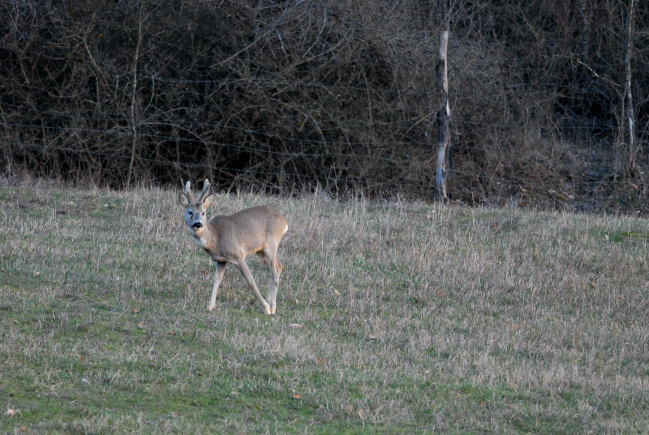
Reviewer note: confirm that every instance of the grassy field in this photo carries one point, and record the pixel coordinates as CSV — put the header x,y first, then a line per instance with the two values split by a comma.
x,y
392,318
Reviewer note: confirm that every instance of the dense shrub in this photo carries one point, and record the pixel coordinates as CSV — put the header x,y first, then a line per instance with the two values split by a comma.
x,y
340,93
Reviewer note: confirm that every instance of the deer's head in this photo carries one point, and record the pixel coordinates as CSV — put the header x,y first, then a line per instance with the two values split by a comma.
x,y
195,211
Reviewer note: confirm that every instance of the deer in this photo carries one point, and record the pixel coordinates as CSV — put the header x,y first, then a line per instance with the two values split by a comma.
x,y
231,238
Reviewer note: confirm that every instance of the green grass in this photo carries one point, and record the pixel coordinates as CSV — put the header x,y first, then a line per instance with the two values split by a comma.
x,y
392,318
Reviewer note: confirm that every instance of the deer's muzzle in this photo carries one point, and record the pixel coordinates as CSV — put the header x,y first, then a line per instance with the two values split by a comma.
x,y
197,225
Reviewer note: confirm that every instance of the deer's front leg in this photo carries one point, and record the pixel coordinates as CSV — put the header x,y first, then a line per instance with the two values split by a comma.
x,y
243,268
218,276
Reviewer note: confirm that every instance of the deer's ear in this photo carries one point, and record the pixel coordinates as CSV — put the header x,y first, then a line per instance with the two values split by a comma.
x,y
208,200
183,200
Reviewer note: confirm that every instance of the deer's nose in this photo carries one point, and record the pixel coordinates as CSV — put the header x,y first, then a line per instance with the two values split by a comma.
x,y
197,225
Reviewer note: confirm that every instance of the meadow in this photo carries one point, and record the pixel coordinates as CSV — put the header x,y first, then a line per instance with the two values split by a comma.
x,y
393,317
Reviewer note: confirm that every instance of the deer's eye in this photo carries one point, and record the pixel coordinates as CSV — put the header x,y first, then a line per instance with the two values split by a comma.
x,y
190,214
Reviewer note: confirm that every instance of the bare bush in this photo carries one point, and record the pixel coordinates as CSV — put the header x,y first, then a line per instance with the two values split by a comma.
x,y
339,94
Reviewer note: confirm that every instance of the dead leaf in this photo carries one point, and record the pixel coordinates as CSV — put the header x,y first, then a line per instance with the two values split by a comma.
x,y
12,412
336,292
297,396
294,325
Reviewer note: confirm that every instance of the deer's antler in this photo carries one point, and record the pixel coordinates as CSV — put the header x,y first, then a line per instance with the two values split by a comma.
x,y
206,189
188,192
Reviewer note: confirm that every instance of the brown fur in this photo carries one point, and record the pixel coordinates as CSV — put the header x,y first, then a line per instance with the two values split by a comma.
x,y
231,238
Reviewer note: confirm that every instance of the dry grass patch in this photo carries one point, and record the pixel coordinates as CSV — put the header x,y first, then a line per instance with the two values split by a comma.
x,y
392,317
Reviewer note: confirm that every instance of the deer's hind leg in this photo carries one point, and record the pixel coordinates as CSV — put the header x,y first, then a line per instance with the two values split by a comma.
x,y
270,255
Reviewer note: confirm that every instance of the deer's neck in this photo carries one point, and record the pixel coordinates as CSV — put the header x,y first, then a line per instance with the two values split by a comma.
x,y
204,238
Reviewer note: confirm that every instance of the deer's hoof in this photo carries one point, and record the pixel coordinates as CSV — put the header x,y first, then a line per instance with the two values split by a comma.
x,y
211,307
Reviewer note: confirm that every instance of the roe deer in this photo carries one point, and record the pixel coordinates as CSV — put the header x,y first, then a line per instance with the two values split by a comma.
x,y
231,238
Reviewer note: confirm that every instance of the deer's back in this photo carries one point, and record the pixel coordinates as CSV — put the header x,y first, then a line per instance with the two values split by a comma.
x,y
249,228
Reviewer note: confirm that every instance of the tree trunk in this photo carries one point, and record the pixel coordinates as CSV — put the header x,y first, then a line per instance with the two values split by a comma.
x,y
628,115
443,116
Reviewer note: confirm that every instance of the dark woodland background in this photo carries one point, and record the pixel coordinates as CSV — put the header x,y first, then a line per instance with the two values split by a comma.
x,y
333,95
